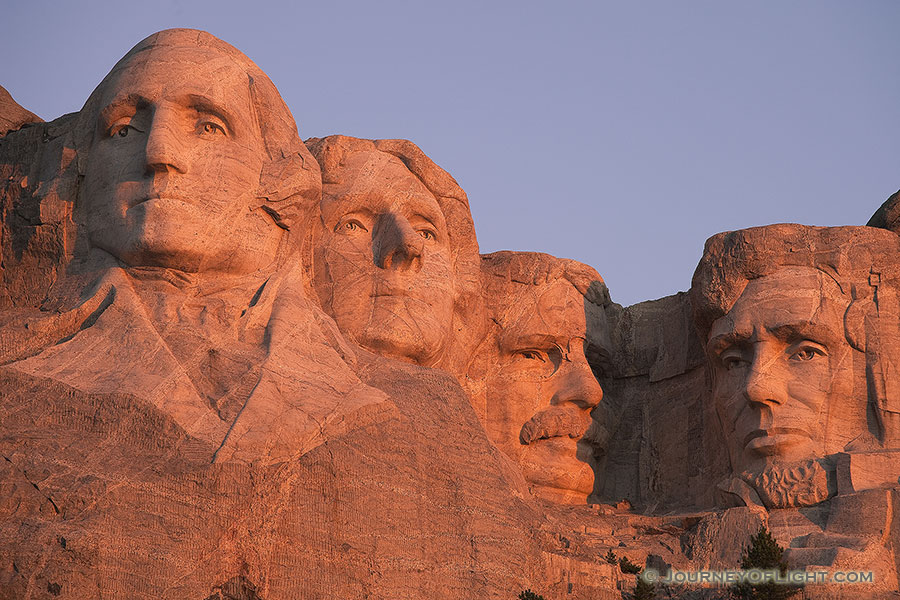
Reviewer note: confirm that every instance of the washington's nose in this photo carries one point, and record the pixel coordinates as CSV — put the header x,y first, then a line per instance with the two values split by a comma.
x,y
396,245
764,385
165,150
577,385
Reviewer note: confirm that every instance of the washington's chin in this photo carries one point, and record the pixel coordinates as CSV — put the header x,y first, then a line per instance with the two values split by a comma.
x,y
404,345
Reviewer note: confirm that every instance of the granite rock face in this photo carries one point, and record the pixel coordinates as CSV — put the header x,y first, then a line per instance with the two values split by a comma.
x,y
234,365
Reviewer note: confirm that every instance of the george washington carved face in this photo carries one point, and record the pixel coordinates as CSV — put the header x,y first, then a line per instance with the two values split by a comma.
x,y
173,170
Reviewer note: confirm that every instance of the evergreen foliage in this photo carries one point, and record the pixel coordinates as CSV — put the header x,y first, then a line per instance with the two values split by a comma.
x,y
763,553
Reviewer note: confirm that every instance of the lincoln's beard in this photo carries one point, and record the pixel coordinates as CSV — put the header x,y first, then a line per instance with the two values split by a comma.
x,y
783,485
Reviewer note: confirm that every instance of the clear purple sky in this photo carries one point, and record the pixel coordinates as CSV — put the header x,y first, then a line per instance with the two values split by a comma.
x,y
618,134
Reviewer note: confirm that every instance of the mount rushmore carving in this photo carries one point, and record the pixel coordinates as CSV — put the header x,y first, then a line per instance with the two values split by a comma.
x,y
234,364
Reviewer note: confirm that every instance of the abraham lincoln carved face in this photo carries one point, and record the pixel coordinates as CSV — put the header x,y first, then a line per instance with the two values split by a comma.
x,y
799,324
780,357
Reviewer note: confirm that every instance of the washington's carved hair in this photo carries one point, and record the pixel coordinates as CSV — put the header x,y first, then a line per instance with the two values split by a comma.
x,y
289,171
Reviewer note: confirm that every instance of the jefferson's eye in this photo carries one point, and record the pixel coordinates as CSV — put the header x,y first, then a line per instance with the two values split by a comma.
x,y
532,355
351,226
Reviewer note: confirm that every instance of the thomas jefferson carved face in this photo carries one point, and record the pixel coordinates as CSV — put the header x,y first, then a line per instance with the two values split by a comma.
x,y
174,167
780,358
541,392
384,264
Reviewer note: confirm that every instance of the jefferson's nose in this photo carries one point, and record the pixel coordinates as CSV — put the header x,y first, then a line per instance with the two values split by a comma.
x,y
764,385
396,245
165,149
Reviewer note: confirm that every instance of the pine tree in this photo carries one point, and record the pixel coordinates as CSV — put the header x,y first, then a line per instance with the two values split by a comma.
x,y
763,553
644,590
529,595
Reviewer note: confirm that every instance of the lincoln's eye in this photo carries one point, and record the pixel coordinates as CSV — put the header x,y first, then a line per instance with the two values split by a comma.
x,y
807,353
732,362
123,132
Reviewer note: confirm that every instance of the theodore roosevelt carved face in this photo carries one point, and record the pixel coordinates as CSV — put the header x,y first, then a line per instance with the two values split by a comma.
x,y
540,389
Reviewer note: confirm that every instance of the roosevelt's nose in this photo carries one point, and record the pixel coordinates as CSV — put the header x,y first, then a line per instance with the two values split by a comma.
x,y
165,151
764,385
577,385
396,245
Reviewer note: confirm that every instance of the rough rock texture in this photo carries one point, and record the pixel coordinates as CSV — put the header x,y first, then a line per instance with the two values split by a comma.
x,y
12,115
234,367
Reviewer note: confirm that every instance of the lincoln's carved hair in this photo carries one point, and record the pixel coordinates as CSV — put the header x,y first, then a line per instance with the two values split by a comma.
x,y
864,262
290,181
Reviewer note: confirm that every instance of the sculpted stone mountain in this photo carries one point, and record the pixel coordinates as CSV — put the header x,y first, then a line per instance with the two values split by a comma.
x,y
800,324
531,383
235,367
396,257
888,214
12,115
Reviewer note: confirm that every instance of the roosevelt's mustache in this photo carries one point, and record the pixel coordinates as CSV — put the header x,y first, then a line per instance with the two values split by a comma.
x,y
557,421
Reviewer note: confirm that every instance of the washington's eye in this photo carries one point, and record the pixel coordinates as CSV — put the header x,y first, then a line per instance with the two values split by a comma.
x,y
427,234
211,128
